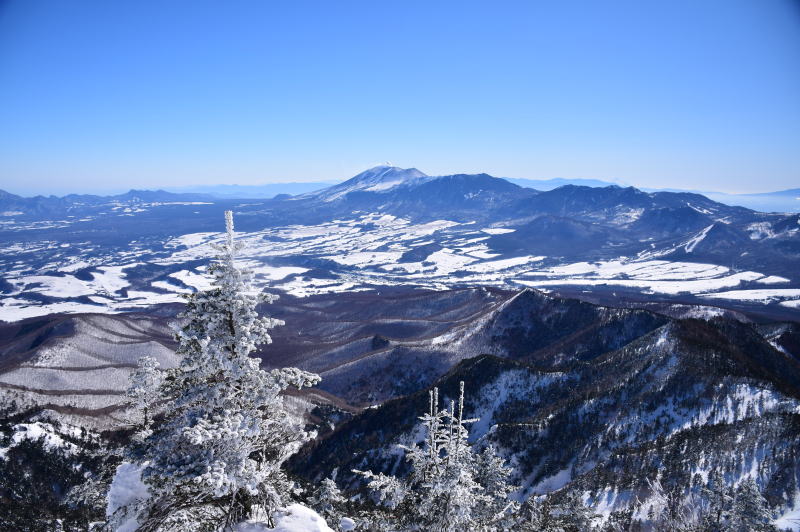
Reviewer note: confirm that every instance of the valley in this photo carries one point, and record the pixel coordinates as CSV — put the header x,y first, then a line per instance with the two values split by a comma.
x,y
606,337
390,227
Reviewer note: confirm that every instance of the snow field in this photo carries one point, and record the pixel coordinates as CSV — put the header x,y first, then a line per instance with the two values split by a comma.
x,y
369,249
293,518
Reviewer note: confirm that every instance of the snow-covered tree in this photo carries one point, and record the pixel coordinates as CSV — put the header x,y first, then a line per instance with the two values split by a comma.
x,y
450,486
493,475
567,514
536,515
719,502
572,514
619,521
226,433
390,491
443,473
675,509
750,510
327,500
144,389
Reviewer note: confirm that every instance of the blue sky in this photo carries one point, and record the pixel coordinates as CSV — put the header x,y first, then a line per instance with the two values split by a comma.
x,y
682,94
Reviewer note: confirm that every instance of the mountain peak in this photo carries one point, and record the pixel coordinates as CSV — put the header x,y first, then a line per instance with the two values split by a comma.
x,y
383,172
376,179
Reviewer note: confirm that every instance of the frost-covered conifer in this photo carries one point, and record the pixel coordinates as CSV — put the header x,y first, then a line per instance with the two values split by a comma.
x,y
719,502
492,473
573,515
750,510
391,491
559,513
144,389
327,500
219,452
443,491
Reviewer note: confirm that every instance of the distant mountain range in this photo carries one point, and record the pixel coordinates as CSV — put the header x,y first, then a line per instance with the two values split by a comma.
x,y
265,191
550,184
12,205
391,226
778,201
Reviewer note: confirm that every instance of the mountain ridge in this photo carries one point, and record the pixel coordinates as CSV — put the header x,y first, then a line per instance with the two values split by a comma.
x,y
669,404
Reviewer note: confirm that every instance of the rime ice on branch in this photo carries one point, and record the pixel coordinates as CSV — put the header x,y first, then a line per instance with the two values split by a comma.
x,y
217,455
450,487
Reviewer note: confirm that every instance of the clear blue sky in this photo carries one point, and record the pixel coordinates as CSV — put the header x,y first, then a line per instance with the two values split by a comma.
x,y
684,94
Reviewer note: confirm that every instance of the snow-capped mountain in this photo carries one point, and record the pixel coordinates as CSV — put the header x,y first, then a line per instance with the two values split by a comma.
x,y
389,227
676,400
378,179
368,347
594,399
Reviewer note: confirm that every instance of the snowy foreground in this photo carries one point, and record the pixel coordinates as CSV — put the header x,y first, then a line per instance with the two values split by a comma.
x,y
294,518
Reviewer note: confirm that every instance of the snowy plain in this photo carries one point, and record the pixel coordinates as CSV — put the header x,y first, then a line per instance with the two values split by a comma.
x,y
368,251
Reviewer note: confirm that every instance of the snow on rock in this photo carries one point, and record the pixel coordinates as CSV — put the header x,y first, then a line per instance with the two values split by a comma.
x,y
294,518
346,524
38,431
126,489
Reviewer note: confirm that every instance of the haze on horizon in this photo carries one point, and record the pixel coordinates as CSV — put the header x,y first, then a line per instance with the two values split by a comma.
x,y
99,96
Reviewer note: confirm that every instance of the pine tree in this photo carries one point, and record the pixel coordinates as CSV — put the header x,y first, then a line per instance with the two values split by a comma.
x,y
536,515
572,515
144,389
719,502
750,510
328,501
450,487
672,510
391,491
492,473
226,433
619,521
555,513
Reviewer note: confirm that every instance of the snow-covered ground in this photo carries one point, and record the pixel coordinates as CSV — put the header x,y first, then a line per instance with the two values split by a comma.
x,y
39,431
293,518
88,371
127,488
364,252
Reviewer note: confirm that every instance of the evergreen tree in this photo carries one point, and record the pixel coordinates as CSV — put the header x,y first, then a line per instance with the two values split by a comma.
x,y
328,501
144,389
450,487
443,473
750,510
493,475
226,433
536,515
619,521
672,510
572,515
719,501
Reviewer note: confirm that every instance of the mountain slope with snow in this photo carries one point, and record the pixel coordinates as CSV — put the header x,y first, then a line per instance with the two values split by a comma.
x,y
389,227
377,179
676,403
